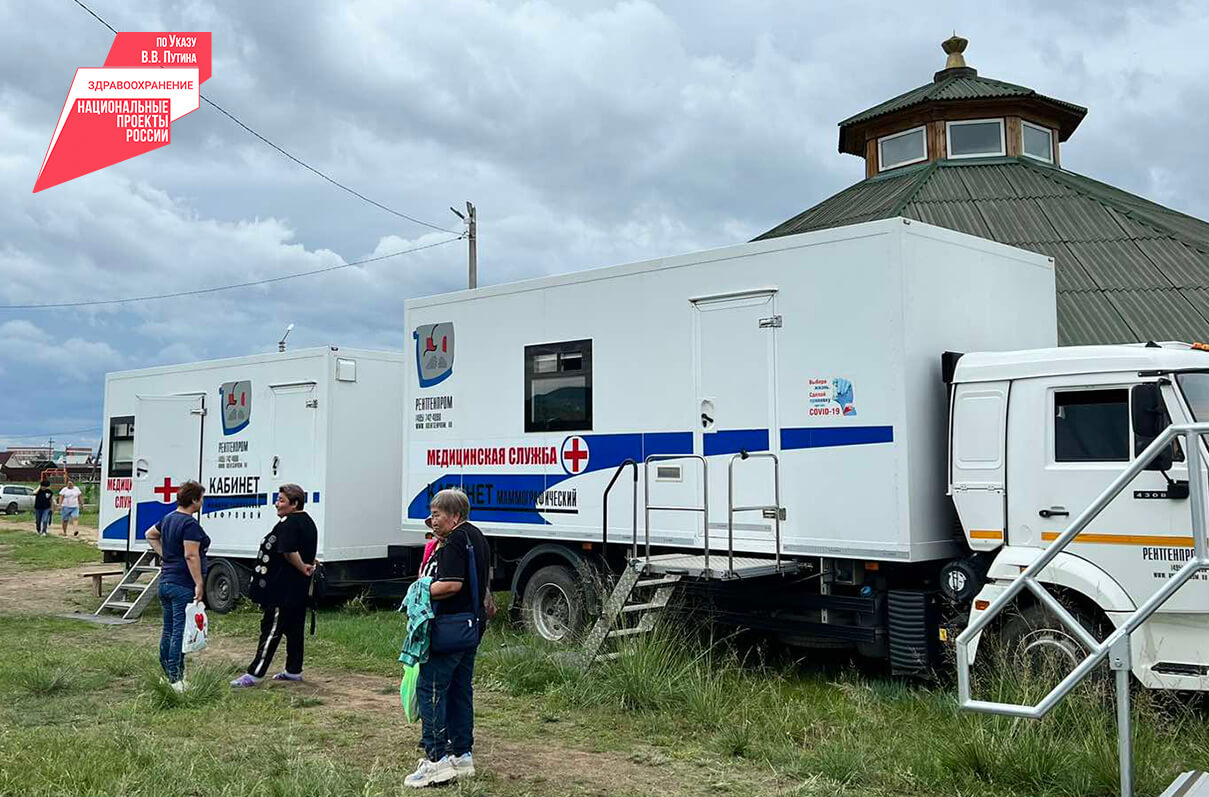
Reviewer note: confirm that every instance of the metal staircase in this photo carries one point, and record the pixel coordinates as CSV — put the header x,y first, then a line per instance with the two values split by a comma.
x,y
647,584
136,589
632,609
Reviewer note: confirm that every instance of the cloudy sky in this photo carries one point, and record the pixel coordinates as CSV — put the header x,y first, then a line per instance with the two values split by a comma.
x,y
587,134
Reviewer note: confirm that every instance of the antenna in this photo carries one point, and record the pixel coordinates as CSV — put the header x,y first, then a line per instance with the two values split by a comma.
x,y
281,343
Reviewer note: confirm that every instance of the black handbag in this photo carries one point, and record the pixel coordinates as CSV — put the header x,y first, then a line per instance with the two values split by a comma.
x,y
459,632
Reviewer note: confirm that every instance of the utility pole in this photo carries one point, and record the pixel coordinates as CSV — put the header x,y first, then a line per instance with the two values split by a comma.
x,y
472,236
50,449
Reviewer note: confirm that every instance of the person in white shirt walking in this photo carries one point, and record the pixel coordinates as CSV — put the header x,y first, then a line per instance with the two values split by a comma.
x,y
69,508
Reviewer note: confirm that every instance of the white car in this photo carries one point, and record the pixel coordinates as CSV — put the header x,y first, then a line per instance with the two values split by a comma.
x,y
16,498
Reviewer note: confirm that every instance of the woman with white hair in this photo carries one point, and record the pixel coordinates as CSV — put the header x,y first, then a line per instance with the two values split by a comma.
x,y
459,570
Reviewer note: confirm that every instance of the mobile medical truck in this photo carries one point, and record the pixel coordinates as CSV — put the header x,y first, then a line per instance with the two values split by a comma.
x,y
327,419
791,443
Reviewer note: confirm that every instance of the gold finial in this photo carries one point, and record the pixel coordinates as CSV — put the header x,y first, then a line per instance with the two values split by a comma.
x,y
954,46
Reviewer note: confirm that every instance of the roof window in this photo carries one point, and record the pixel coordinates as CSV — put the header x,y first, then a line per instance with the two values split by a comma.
x,y
975,138
900,149
1037,142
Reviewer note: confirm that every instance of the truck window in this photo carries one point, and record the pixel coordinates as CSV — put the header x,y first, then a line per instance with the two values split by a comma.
x,y
121,446
558,387
1196,392
1091,426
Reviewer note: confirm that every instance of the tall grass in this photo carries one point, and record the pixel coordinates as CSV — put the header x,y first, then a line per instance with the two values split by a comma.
x,y
849,729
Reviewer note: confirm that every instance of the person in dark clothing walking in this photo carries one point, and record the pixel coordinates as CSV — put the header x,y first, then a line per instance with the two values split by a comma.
x,y
181,544
280,584
444,688
43,500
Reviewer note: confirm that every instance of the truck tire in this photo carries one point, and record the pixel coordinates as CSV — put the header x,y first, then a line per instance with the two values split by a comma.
x,y
222,586
1034,639
554,606
11,509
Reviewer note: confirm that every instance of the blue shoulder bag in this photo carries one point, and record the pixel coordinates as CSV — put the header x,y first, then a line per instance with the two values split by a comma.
x,y
456,633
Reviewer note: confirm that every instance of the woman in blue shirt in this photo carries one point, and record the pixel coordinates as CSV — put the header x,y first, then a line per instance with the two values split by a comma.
x,y
181,544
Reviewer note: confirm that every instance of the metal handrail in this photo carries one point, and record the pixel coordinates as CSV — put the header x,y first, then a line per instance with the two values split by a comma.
x,y
1116,645
731,509
604,533
646,496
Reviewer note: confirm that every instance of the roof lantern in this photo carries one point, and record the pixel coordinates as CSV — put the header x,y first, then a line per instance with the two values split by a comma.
x,y
959,114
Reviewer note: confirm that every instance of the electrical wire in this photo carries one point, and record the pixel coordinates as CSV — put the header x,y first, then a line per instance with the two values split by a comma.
x,y
296,160
216,289
48,434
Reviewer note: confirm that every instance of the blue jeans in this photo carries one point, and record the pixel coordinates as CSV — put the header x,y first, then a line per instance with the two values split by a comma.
x,y
42,520
174,598
446,697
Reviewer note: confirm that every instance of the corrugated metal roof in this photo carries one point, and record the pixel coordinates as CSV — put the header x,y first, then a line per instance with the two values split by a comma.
x,y
1160,315
1116,265
960,216
1087,317
1127,268
1018,221
1184,266
956,87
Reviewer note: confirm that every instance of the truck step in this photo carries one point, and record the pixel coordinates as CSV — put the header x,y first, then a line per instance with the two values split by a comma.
x,y
658,582
123,605
145,569
638,629
641,607
133,587
607,656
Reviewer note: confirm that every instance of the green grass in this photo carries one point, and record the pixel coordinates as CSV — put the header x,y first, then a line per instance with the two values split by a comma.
x,y
83,711
28,550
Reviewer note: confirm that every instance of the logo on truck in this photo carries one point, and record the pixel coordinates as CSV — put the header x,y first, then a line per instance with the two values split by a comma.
x,y
236,400
574,455
434,352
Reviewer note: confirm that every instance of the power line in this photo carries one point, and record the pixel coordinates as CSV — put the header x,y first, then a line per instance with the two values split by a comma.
x,y
296,160
199,291
48,434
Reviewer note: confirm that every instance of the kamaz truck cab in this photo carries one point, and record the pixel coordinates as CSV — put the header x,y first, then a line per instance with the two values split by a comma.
x,y
1035,437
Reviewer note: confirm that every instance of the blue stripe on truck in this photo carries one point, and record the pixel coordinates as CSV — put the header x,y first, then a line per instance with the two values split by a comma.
x,y
829,436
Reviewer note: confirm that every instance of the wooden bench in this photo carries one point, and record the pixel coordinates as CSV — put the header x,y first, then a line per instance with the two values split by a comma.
x,y
97,576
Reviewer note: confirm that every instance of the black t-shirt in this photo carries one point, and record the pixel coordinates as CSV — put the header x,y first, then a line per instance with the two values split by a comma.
x,y
451,562
275,581
43,497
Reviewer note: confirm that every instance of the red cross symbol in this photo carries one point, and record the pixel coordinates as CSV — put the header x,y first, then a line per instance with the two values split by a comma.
x,y
573,454
167,490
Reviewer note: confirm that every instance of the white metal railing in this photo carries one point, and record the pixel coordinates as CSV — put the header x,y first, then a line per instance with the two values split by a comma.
x,y
1116,646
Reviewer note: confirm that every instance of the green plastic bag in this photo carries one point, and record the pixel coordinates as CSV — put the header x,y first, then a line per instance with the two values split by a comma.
x,y
407,692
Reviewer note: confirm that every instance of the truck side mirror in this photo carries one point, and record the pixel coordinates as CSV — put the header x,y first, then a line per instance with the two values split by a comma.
x,y
1150,418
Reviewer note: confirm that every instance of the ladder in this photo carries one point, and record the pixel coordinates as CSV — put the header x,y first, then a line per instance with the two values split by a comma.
x,y
632,609
132,594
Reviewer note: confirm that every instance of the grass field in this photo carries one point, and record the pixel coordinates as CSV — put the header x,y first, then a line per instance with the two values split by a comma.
x,y
82,712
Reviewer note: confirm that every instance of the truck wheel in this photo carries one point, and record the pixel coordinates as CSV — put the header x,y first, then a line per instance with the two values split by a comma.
x,y
1034,639
553,605
11,509
222,586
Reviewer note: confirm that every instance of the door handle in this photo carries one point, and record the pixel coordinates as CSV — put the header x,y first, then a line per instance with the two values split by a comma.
x,y
706,421
1054,511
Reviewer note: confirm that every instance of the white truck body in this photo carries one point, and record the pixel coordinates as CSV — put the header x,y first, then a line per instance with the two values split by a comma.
x,y
821,348
1037,437
327,419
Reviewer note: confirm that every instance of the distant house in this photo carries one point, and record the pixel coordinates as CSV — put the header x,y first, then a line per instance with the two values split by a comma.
x,y
982,156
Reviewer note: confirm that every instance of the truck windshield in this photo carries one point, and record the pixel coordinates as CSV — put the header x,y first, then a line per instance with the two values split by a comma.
x,y
1196,392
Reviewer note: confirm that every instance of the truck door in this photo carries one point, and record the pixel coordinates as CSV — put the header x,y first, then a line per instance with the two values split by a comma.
x,y
167,452
978,465
735,339
295,415
1063,462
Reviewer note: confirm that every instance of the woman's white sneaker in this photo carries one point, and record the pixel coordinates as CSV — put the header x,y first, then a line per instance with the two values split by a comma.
x,y
430,772
463,765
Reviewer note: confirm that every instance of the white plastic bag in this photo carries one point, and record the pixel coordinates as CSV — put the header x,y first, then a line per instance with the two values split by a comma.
x,y
196,626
